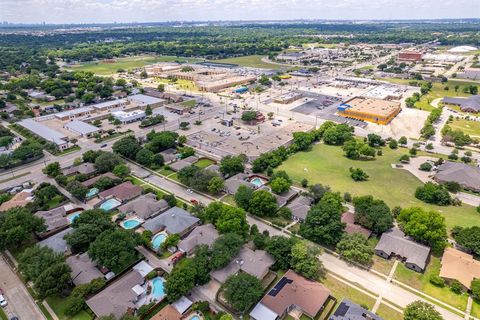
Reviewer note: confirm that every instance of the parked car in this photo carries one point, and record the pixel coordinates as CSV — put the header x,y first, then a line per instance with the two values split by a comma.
x,y
3,302
103,145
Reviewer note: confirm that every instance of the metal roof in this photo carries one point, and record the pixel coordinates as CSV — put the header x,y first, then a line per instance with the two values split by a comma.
x,y
44,131
81,127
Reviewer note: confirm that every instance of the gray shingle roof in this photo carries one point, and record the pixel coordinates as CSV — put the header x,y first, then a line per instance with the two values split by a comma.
x,y
471,104
83,269
174,220
395,241
56,242
347,310
467,176
144,206
55,218
205,234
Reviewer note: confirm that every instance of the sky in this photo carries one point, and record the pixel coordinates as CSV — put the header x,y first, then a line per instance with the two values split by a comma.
x,y
108,11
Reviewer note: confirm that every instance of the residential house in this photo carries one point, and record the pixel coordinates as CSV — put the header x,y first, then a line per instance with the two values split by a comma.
x,y
351,227
205,234
119,297
145,207
90,182
55,219
256,263
169,155
20,199
179,165
283,198
56,242
465,175
300,207
175,221
292,292
233,183
167,313
459,266
122,192
394,243
83,269
86,168
347,310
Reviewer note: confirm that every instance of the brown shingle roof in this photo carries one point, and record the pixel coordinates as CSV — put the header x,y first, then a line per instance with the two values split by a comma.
x,y
460,266
122,192
21,199
349,219
167,313
92,181
306,294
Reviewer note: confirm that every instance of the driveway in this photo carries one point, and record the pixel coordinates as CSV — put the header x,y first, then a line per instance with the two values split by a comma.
x,y
20,303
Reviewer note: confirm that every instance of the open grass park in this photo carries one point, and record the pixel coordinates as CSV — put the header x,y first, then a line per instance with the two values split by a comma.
x,y
128,63
469,127
253,61
327,165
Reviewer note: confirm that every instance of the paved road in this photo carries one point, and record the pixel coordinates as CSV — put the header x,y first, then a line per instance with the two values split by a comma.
x,y
20,303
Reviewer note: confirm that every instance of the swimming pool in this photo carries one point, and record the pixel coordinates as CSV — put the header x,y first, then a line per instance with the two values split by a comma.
x,y
195,318
131,223
257,182
158,288
110,204
92,192
158,239
72,216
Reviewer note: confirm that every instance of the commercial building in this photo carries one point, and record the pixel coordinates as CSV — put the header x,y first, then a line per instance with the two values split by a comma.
x,y
470,104
410,55
470,73
142,101
385,92
459,266
394,243
81,128
74,113
128,117
41,130
158,68
109,105
292,291
368,109
288,97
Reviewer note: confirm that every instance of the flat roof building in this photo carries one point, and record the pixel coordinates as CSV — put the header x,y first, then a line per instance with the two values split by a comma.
x,y
74,113
410,55
368,109
384,92
143,101
128,117
112,104
41,130
81,128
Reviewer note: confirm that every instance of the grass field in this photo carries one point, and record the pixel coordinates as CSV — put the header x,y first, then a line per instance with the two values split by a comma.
x,y
421,282
437,91
128,63
58,305
203,163
340,290
386,312
469,127
254,61
327,165
181,84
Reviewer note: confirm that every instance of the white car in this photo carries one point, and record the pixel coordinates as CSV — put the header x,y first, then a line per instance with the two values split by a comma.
x,y
3,302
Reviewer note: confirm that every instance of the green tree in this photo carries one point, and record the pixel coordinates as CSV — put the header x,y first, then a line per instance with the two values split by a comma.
x,y
52,169
263,204
280,248
358,174
17,225
180,281
216,185
243,196
433,193
468,238
249,116
323,224
393,144
279,185
224,249
33,260
402,140
122,171
419,310
426,166
242,290
231,165
475,288
144,157
372,214
355,248
127,147
53,280
115,249
77,189
107,161
425,226
148,110
305,261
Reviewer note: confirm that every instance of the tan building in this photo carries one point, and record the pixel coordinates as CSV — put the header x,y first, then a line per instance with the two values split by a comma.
x,y
460,266
368,109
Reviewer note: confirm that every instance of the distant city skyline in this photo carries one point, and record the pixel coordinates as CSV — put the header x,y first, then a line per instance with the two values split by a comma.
x,y
123,11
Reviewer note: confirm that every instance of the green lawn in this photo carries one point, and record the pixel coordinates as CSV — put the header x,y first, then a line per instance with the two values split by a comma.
x,y
437,91
340,290
165,172
55,201
386,312
58,305
190,103
203,163
469,127
128,63
254,61
327,165
421,282
475,308
3,316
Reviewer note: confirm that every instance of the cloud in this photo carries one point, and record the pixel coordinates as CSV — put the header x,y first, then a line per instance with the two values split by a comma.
x,y
101,11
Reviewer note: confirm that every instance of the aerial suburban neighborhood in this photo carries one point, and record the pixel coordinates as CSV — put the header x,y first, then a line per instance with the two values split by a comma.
x,y
239,167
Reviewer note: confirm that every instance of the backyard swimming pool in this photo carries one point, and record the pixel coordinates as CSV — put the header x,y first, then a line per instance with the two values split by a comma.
x,y
110,204
158,288
195,318
72,216
158,239
92,192
258,182
131,223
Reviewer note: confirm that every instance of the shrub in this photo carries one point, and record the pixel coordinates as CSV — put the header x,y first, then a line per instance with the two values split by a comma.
x,y
452,186
426,166
358,174
304,183
347,197
437,281
456,287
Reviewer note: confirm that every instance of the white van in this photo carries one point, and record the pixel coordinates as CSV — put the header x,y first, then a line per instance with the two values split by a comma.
x,y
3,302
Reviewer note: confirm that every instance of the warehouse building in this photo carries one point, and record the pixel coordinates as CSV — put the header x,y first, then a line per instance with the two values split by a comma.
x,y
142,101
368,109
81,128
74,113
288,98
127,117
41,130
410,55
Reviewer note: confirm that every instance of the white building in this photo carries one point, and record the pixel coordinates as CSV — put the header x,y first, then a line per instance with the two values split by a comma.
x,y
127,117
81,128
41,130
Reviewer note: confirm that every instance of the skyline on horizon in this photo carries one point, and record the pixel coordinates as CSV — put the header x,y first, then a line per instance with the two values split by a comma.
x,y
150,11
